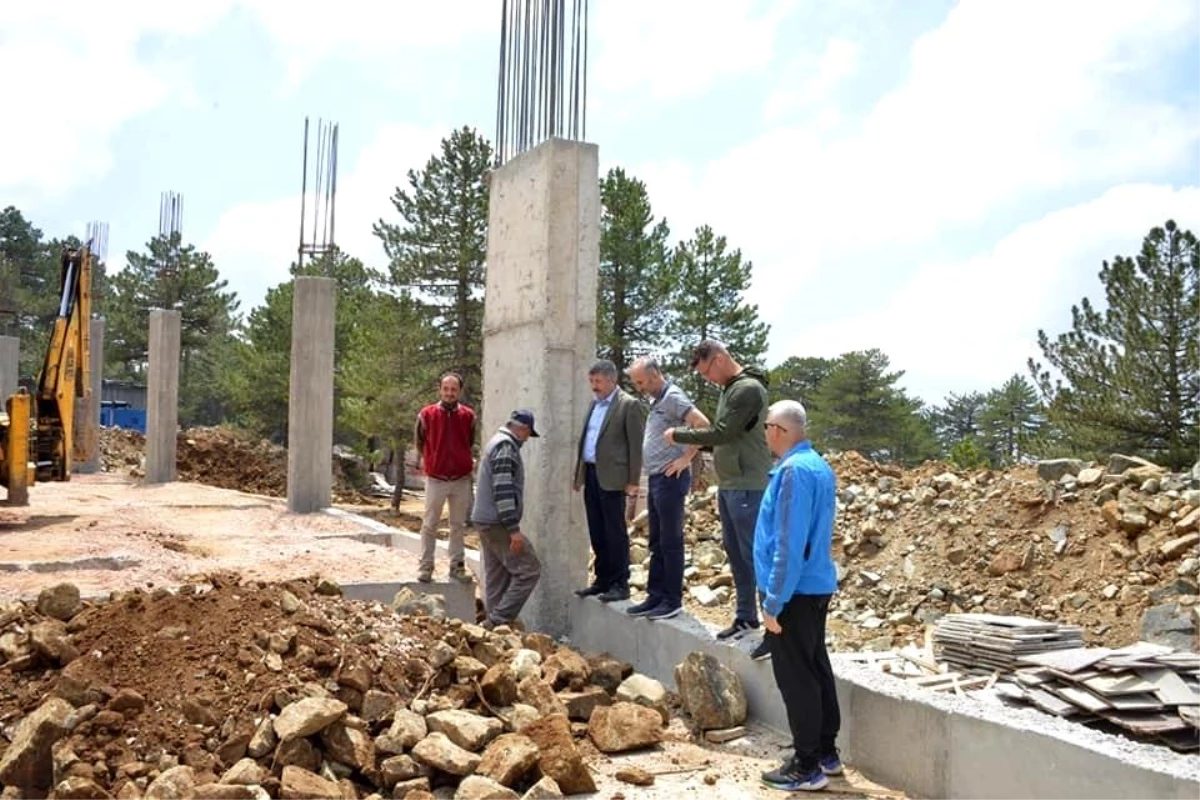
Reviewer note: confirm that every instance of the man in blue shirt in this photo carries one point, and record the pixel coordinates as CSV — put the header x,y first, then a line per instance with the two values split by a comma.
x,y
793,565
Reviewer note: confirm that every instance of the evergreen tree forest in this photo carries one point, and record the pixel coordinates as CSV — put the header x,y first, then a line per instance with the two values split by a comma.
x,y
1123,377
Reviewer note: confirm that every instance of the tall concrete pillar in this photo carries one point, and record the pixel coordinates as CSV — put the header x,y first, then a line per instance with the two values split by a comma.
x,y
539,339
310,397
10,366
162,396
87,414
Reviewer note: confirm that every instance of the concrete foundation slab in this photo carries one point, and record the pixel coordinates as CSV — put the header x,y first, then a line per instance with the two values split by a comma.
x,y
928,744
162,396
87,413
539,338
10,365
310,397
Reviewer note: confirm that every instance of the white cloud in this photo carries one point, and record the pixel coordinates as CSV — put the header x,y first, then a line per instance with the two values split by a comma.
x,y
999,116
957,325
253,244
72,78
369,30
672,50
812,79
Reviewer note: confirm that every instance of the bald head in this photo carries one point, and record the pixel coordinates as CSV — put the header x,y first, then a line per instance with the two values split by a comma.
x,y
787,425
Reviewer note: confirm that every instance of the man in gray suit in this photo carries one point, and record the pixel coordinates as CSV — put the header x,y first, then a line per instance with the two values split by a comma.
x,y
608,468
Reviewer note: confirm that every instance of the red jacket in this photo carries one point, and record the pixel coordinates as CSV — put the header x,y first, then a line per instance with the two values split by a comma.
x,y
448,436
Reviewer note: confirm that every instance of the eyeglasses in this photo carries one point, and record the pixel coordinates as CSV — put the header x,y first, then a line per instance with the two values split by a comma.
x,y
768,425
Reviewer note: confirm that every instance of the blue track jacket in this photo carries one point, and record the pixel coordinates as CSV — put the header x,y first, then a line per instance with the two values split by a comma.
x,y
794,537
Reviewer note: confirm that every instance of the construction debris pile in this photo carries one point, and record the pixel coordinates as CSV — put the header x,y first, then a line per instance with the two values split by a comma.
x,y
217,456
1147,690
974,641
1111,548
232,690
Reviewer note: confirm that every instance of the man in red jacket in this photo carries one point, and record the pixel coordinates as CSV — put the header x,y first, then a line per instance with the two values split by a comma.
x,y
445,435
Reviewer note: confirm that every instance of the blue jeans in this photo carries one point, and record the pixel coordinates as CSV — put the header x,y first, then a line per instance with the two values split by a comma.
x,y
664,504
739,516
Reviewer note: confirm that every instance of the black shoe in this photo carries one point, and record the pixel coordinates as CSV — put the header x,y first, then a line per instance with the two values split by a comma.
x,y
761,651
738,627
614,594
665,611
643,608
791,776
590,591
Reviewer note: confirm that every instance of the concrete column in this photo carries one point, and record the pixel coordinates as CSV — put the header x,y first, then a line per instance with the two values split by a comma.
x,y
539,339
10,366
87,414
162,396
310,397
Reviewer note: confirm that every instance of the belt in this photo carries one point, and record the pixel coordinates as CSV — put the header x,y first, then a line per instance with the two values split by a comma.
x,y
447,480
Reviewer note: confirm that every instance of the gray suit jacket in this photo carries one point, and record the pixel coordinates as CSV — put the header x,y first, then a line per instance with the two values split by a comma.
x,y
619,448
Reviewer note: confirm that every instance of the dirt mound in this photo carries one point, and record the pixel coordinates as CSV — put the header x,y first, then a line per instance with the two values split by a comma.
x,y
1094,546
340,696
217,456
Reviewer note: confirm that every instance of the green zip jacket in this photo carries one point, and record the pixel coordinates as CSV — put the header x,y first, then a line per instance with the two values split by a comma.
x,y
740,452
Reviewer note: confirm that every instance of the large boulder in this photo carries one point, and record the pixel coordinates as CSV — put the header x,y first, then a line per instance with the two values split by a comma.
x,y
710,692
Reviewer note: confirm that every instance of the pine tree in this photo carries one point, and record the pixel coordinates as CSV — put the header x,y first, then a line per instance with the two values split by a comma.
x,y
1011,421
708,301
957,420
438,252
261,384
862,409
635,272
798,378
1131,374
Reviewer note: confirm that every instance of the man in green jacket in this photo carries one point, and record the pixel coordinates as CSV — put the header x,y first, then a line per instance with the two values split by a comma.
x,y
742,461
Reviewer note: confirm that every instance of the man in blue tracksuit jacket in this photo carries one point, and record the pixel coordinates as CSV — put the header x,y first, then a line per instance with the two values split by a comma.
x,y
793,564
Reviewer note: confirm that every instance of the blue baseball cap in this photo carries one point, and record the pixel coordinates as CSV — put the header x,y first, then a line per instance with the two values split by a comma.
x,y
525,417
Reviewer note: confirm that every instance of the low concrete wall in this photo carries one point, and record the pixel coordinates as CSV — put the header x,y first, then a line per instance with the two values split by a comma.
x,y
925,743
387,536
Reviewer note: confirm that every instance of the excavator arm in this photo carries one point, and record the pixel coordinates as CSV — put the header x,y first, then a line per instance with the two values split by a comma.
x,y
37,433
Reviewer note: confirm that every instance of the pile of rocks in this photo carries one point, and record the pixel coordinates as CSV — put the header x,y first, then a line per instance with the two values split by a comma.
x,y
231,690
1064,540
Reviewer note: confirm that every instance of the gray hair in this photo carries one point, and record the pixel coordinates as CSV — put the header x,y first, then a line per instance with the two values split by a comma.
x,y
790,414
604,367
648,363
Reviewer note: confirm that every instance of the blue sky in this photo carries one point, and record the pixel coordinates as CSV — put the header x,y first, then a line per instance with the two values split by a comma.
x,y
933,178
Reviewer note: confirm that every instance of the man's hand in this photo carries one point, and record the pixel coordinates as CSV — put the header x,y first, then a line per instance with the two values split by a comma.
x,y
669,435
516,543
677,466
771,624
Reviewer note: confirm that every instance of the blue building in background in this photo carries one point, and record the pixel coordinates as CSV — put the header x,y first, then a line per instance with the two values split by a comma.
x,y
123,405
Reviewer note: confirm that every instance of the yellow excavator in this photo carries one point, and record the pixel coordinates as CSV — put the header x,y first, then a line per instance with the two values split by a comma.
x,y
37,432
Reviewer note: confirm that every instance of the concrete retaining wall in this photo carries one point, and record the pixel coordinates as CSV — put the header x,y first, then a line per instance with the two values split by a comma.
x,y
925,743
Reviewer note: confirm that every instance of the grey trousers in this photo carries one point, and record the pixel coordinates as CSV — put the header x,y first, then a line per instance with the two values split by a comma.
x,y
508,578
437,495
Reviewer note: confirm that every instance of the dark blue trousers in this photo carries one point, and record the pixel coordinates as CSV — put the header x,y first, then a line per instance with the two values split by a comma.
x,y
665,504
606,529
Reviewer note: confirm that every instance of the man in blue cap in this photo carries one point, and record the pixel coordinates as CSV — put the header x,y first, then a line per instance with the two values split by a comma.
x,y
511,568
